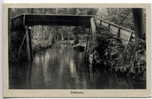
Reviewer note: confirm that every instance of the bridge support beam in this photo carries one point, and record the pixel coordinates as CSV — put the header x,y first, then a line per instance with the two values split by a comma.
x,y
93,28
29,44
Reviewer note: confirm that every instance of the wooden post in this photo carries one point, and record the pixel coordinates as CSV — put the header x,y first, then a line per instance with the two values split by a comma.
x,y
109,27
118,35
100,22
93,27
28,42
93,30
56,10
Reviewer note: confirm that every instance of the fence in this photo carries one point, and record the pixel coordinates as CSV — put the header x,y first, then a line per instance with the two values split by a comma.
x,y
121,32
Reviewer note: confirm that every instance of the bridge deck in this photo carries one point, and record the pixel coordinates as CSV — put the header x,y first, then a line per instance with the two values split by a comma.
x,y
52,19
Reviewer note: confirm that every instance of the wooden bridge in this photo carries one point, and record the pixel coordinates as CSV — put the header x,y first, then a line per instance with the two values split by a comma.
x,y
26,21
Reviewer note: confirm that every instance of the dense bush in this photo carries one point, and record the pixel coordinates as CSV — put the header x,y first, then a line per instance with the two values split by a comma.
x,y
111,55
106,52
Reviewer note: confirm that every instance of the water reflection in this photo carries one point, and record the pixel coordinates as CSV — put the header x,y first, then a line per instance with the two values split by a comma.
x,y
61,67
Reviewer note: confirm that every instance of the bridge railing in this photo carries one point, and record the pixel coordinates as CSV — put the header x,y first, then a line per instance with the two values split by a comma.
x,y
121,32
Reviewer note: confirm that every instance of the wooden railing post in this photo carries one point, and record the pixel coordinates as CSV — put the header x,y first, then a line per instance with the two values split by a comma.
x,y
109,27
100,22
118,35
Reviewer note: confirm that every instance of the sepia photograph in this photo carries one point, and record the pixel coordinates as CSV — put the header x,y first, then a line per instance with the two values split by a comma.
x,y
94,48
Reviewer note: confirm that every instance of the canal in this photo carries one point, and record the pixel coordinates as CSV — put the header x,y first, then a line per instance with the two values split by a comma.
x,y
62,67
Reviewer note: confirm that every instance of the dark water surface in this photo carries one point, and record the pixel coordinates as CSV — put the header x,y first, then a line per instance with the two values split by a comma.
x,y
61,67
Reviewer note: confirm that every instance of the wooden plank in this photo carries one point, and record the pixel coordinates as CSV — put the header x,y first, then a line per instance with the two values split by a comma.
x,y
119,26
107,22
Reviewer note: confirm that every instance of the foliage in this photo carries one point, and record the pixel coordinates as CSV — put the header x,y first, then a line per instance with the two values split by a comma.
x,y
110,54
106,52
120,16
136,60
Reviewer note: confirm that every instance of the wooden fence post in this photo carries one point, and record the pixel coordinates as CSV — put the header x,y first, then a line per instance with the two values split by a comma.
x,y
100,22
109,27
118,35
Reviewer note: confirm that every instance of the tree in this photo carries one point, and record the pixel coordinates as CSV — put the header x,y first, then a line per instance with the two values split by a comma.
x,y
120,16
138,16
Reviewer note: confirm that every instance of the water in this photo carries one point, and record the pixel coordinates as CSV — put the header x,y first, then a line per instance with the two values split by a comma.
x,y
61,67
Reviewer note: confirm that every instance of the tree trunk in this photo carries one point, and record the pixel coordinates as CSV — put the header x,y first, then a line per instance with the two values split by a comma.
x,y
139,22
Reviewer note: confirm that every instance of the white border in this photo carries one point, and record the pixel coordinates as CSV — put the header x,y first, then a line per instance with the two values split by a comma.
x,y
58,1
77,1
